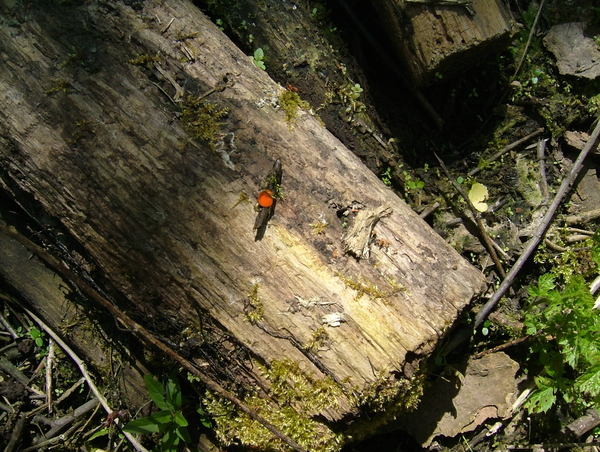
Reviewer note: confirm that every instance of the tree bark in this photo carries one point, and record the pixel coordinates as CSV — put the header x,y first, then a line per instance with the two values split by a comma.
x,y
100,104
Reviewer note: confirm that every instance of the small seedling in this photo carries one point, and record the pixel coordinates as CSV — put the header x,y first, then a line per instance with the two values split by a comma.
x,y
258,57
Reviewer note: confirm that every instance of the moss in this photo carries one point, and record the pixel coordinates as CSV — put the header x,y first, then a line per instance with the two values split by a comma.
x,y
367,288
318,227
243,198
289,102
60,85
385,399
146,60
298,394
202,119
318,339
254,310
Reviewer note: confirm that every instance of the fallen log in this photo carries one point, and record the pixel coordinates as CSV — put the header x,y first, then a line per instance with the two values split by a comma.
x,y
436,39
144,132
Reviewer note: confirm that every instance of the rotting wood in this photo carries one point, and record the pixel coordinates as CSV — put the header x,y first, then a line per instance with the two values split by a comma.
x,y
109,157
443,39
356,241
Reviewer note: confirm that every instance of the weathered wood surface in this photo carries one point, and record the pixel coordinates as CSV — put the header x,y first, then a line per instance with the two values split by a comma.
x,y
160,215
301,50
438,38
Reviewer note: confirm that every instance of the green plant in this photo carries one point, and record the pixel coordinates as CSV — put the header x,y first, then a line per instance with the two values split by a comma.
x,y
258,57
571,358
386,177
169,421
34,333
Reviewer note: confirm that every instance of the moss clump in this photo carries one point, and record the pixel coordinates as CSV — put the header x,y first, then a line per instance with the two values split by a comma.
x,y
254,309
202,119
318,227
385,399
146,60
318,339
298,394
367,288
289,102
60,85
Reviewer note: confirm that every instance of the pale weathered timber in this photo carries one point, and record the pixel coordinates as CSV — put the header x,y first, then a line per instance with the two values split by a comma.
x,y
99,144
443,38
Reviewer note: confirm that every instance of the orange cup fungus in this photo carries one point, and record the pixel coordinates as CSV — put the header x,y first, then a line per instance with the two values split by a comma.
x,y
265,198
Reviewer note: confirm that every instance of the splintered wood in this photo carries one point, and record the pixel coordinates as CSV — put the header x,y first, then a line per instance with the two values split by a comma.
x,y
356,240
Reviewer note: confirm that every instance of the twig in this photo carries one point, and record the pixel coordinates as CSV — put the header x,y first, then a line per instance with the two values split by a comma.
x,y
484,235
541,150
501,347
144,335
16,434
507,148
429,210
583,217
537,16
49,386
58,425
9,328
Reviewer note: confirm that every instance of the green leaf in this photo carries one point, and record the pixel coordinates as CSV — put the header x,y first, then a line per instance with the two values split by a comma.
x,y
162,417
156,391
590,382
259,54
170,440
180,420
98,434
173,392
184,435
143,425
541,400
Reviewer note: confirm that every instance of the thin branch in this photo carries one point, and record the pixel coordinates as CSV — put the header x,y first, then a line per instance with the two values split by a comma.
x,y
541,151
507,148
144,335
537,16
49,386
484,235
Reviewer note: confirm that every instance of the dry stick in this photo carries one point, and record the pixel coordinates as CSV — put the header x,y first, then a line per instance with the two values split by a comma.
x,y
143,335
49,385
537,16
535,240
507,148
541,150
78,361
484,235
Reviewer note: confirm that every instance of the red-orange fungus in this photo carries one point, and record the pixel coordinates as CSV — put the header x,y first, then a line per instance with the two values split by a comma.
x,y
265,198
